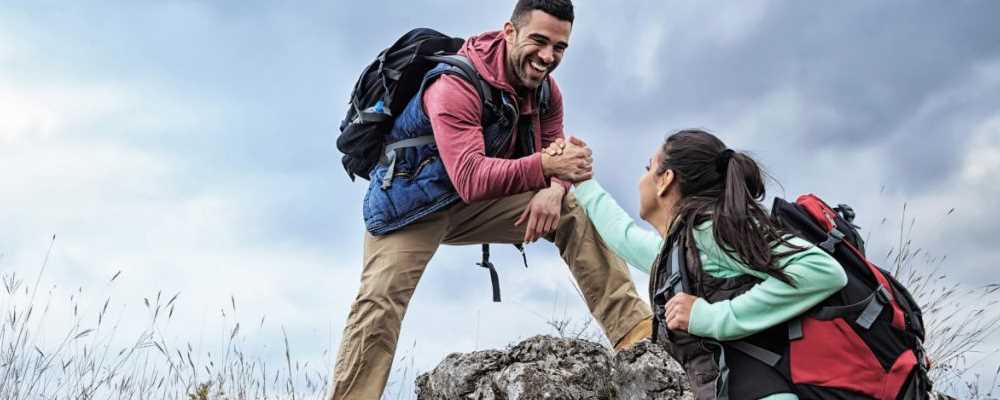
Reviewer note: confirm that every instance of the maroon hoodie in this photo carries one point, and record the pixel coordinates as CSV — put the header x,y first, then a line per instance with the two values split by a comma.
x,y
455,112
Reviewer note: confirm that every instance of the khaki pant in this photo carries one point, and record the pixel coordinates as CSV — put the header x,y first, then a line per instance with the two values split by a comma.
x,y
393,264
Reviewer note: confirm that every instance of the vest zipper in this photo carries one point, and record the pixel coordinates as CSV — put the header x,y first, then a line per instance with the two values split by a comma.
x,y
416,172
424,163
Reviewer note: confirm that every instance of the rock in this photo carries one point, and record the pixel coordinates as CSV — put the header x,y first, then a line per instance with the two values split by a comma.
x,y
545,367
646,371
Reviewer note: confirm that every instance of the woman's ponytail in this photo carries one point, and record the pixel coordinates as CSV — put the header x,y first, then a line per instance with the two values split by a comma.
x,y
726,187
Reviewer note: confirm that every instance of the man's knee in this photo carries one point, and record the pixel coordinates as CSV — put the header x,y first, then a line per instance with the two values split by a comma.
x,y
573,216
569,202
382,301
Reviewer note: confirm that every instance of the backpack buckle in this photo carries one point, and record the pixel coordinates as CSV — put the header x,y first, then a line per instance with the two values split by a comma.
x,y
846,212
883,295
874,308
834,237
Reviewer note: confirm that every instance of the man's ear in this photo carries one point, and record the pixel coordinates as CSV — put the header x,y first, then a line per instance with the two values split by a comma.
x,y
663,182
508,32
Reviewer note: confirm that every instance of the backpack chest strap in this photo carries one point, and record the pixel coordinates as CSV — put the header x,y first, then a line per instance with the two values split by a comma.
x,y
390,155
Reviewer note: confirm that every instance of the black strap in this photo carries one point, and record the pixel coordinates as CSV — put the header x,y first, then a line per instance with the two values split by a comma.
x,y
674,284
759,353
678,263
520,247
870,308
544,95
677,282
494,278
392,74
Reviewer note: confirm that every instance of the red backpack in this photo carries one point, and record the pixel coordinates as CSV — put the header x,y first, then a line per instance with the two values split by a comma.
x,y
868,337
864,341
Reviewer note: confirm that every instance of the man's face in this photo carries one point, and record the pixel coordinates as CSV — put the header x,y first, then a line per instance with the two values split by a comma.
x,y
536,47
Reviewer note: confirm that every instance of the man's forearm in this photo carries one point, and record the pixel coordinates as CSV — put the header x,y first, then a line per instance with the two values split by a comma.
x,y
477,177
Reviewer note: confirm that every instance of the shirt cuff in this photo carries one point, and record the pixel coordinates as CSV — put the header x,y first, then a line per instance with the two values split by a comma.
x,y
586,189
531,168
699,321
566,185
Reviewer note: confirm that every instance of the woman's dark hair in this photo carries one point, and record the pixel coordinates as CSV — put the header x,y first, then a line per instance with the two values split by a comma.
x,y
561,9
725,187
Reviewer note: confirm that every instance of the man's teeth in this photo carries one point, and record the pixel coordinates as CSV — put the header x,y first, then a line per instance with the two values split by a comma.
x,y
538,67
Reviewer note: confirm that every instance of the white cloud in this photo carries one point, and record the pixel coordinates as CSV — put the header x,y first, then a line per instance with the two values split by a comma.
x,y
730,24
644,39
103,144
983,155
37,112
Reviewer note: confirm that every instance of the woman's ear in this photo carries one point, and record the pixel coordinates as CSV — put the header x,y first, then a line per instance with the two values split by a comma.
x,y
663,182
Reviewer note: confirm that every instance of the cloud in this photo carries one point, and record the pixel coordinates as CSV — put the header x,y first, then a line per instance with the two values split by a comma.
x,y
191,144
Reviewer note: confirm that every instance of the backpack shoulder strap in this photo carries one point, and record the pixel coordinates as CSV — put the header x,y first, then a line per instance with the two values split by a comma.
x,y
464,69
545,97
677,271
468,72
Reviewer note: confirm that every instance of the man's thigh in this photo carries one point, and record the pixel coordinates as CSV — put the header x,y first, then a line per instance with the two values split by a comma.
x,y
395,261
490,221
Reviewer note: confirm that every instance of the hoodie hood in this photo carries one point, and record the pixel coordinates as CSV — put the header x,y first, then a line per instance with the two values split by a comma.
x,y
488,53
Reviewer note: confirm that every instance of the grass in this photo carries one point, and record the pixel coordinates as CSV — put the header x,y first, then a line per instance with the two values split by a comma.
x,y
87,361
958,319
83,362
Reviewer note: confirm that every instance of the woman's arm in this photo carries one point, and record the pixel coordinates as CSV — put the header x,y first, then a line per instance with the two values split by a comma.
x,y
639,247
816,274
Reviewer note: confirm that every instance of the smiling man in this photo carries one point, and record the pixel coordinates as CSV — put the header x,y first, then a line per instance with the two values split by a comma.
x,y
483,179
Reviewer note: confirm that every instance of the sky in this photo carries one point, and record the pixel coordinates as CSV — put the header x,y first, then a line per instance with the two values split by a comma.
x,y
191,146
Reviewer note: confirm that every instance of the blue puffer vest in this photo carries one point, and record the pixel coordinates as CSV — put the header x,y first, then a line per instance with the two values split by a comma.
x,y
420,185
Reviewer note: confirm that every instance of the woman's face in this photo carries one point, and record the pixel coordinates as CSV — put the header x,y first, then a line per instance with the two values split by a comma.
x,y
649,199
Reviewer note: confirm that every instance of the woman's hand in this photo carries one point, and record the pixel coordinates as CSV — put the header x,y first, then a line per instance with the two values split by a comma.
x,y
679,311
555,148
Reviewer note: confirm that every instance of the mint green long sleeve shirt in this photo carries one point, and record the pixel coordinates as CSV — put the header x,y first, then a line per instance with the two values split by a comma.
x,y
816,274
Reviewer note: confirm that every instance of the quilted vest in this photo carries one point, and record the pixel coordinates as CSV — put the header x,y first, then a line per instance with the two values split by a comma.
x,y
419,184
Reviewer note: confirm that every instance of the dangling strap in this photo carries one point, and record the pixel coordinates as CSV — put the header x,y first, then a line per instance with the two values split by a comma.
x,y
520,247
494,278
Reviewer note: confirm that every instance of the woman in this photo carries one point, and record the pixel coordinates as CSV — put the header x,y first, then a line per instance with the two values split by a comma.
x,y
697,189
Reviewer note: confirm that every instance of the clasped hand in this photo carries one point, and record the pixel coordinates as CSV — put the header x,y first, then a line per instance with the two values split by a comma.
x,y
568,160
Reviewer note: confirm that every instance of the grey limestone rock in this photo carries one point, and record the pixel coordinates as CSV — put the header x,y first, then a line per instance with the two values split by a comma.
x,y
545,367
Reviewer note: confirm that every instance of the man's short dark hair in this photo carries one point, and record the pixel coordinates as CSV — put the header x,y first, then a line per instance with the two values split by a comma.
x,y
561,9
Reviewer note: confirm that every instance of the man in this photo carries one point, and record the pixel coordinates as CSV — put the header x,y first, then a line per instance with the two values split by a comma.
x,y
483,180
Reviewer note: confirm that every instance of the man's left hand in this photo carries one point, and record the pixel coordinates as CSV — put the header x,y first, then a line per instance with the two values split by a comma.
x,y
542,213
679,311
